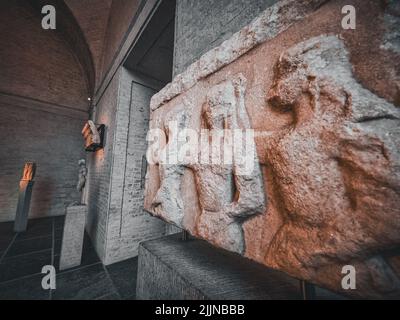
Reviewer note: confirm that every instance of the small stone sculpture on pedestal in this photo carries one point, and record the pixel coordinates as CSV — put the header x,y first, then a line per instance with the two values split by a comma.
x,y
24,197
82,179
74,227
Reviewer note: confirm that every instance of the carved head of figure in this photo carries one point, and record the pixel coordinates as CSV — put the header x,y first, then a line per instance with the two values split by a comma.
x,y
219,105
336,164
224,104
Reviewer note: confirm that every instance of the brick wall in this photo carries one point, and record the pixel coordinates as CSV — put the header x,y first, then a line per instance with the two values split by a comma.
x,y
37,63
117,221
128,222
43,103
122,13
100,168
92,17
201,25
51,140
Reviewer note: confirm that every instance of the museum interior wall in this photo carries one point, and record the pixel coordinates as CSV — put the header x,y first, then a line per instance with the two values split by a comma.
x,y
46,80
129,224
321,100
121,19
104,25
43,106
203,25
100,169
92,16
117,221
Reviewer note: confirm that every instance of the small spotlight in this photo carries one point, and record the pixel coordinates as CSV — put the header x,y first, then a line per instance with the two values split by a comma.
x,y
89,99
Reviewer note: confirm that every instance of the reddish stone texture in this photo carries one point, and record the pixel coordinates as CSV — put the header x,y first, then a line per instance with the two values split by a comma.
x,y
323,102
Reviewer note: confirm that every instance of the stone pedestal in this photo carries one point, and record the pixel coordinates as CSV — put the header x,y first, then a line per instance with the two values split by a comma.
x,y
72,242
170,268
24,199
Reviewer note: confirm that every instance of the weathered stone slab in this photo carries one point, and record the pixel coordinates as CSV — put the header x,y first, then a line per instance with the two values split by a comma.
x,y
72,242
173,269
324,191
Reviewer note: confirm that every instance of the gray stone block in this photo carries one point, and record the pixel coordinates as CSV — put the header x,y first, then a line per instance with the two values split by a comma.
x,y
170,268
24,200
72,242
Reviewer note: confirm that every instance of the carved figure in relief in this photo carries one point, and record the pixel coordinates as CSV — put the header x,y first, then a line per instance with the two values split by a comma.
x,y
168,202
227,197
337,168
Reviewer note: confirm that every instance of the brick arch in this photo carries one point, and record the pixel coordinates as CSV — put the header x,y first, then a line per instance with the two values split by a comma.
x,y
40,64
70,31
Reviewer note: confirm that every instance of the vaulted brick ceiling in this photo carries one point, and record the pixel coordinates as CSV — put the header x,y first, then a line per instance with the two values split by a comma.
x,y
82,25
38,64
103,25
92,17
91,31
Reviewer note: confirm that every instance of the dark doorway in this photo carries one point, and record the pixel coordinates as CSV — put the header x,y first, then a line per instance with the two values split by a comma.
x,y
153,54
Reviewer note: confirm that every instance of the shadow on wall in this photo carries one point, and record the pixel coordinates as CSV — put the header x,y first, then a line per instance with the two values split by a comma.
x,y
42,195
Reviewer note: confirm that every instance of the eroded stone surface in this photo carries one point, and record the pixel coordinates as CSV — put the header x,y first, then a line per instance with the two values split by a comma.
x,y
337,165
72,242
168,202
327,139
226,195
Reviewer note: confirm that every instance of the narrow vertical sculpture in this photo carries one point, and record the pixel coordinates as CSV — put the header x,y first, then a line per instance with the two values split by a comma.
x,y
24,197
82,180
74,226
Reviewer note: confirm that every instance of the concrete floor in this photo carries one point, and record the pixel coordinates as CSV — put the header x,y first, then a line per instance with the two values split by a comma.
x,y
22,256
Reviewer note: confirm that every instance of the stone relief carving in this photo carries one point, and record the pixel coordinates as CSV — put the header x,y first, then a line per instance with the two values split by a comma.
x,y
327,137
228,194
227,197
168,201
337,166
